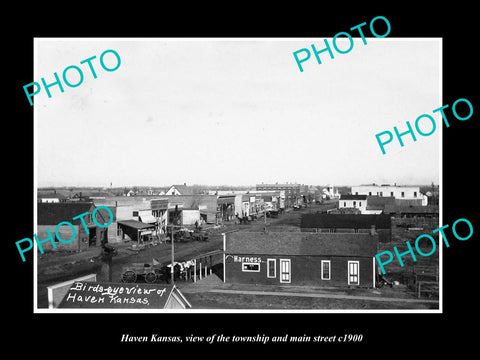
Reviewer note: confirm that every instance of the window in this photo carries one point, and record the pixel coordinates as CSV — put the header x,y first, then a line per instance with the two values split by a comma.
x,y
403,194
353,273
325,269
271,268
356,193
135,213
354,204
344,204
381,193
360,204
391,193
284,270
369,193
251,267
414,194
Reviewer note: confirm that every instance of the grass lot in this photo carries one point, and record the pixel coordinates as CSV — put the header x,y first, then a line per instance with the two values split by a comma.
x,y
208,300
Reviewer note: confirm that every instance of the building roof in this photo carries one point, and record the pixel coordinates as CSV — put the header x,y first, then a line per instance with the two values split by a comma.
x,y
342,221
379,202
183,189
54,213
298,243
353,197
138,225
429,209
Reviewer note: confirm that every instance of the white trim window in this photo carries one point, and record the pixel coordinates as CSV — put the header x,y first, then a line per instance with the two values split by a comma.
x,y
326,267
271,268
354,273
250,267
285,271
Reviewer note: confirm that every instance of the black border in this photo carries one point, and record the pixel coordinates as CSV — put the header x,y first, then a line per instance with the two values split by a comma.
x,y
403,333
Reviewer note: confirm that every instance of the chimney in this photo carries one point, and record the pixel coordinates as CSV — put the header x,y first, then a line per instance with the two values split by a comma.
x,y
372,230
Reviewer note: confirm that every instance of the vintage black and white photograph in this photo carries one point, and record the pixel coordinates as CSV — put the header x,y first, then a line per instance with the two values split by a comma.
x,y
238,174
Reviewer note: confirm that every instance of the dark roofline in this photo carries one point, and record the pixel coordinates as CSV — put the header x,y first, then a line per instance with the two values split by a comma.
x,y
353,197
298,243
345,221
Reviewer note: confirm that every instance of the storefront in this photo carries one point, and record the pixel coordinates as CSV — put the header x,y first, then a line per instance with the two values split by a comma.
x,y
300,259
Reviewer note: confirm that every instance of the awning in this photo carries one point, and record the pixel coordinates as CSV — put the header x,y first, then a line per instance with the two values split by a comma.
x,y
134,224
226,200
148,219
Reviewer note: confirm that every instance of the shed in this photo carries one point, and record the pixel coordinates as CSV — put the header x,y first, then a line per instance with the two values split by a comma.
x,y
319,259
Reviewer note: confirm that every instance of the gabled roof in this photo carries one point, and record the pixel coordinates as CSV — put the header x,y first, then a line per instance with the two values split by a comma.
x,y
183,189
298,243
344,221
54,213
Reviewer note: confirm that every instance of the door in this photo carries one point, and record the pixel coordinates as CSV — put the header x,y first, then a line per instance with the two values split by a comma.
x,y
353,273
285,275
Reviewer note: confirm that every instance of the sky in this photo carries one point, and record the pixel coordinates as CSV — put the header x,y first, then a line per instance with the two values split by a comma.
x,y
235,112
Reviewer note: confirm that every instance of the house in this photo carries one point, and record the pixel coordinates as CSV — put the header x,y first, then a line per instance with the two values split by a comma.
x,y
180,190
348,223
353,201
49,215
296,258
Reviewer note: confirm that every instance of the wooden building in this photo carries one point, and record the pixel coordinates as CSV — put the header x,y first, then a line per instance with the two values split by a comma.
x,y
49,215
284,258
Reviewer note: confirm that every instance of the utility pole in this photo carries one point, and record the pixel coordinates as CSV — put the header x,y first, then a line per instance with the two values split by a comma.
x,y
172,273
265,217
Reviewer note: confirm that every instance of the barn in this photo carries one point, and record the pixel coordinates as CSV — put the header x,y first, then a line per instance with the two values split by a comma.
x,y
296,258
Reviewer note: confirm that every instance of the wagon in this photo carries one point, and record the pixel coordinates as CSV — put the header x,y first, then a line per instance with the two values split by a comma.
x,y
135,271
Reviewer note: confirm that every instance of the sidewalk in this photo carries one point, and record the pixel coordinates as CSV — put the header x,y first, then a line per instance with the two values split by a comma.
x,y
213,284
324,295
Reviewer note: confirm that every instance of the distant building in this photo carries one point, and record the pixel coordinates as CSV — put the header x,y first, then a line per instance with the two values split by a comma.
x,y
294,258
404,195
50,198
179,190
429,211
353,201
292,192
